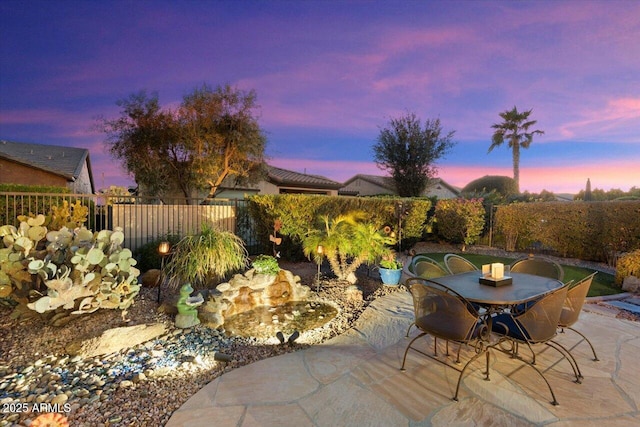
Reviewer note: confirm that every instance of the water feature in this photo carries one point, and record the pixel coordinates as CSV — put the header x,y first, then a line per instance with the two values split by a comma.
x,y
267,321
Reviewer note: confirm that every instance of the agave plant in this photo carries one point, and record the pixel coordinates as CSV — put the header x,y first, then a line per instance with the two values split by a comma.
x,y
202,258
347,241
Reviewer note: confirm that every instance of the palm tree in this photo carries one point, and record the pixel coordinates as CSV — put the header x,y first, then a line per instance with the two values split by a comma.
x,y
515,129
347,241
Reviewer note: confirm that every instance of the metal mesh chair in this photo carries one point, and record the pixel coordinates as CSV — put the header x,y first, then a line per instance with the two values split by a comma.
x,y
537,325
573,306
426,268
457,264
443,313
538,266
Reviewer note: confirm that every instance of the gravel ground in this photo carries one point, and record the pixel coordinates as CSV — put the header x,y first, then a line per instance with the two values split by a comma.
x,y
144,385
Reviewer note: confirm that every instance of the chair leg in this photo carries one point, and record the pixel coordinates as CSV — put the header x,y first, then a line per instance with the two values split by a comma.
x,y
567,355
554,401
595,356
473,359
404,359
409,329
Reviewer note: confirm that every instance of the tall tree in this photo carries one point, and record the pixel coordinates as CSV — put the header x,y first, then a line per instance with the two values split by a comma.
x,y
222,132
212,135
408,151
514,129
588,195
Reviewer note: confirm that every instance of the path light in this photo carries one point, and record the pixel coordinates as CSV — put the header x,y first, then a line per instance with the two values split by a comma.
x,y
164,249
319,252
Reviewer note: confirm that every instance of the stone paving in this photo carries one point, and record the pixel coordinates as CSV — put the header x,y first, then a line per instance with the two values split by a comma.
x,y
354,380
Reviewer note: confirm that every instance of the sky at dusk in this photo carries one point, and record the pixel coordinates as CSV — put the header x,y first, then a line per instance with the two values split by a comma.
x,y
330,74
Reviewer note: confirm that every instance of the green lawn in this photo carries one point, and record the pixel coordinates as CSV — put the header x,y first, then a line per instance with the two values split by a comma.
x,y
602,283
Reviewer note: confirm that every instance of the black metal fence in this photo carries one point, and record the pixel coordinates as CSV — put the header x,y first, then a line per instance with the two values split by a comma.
x,y
143,220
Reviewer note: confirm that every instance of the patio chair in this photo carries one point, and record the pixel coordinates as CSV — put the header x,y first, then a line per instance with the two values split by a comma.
x,y
443,313
425,268
538,266
428,268
457,264
573,306
537,325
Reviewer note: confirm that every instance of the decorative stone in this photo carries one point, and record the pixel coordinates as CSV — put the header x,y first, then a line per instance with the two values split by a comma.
x,y
353,293
244,292
59,399
116,339
151,278
631,284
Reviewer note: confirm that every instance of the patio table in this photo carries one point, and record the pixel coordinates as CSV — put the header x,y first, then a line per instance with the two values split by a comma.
x,y
525,287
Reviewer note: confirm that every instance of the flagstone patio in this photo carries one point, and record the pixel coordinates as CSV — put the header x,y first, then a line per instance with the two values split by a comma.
x,y
354,380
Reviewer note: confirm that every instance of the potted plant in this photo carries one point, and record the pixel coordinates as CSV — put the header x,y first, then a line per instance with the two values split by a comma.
x,y
390,269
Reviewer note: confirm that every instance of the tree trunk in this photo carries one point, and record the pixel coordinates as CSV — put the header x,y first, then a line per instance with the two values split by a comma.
x,y
516,165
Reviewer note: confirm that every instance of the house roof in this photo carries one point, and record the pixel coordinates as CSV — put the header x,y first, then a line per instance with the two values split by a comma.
x,y
387,183
286,177
380,181
63,161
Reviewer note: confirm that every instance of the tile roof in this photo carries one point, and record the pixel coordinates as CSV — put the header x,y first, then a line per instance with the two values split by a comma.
x,y
295,179
64,161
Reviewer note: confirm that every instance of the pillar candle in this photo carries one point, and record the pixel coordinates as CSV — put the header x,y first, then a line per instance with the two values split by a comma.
x,y
497,270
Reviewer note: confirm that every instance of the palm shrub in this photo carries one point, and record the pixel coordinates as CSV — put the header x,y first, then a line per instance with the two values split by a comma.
x,y
202,258
347,241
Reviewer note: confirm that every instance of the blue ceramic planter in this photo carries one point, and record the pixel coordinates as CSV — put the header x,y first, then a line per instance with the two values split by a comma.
x,y
390,277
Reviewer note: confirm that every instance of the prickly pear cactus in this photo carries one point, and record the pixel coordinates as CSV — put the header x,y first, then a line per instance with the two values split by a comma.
x,y
72,269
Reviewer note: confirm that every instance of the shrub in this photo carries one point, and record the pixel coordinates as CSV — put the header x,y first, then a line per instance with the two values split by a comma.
x,y
628,265
596,231
147,255
202,258
266,264
298,214
503,185
460,220
347,241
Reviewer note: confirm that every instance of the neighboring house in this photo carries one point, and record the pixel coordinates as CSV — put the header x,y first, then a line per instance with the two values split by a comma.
x,y
52,165
376,185
281,181
276,181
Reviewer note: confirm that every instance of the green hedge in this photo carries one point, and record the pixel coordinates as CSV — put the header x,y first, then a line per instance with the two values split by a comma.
x,y
595,231
299,213
460,220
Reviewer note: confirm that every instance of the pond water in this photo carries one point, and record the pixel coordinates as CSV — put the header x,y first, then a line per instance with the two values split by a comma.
x,y
265,321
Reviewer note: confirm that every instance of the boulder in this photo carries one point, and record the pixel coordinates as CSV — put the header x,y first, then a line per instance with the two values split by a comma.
x,y
116,339
150,278
631,284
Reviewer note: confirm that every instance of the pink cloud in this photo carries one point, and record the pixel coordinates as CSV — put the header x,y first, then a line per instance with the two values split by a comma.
x,y
620,113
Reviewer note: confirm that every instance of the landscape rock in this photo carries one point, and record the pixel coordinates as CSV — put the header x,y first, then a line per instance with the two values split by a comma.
x,y
631,284
116,339
151,278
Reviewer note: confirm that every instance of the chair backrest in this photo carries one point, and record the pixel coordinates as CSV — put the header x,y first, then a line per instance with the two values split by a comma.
x,y
538,266
426,268
457,264
441,311
540,320
574,301
429,270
